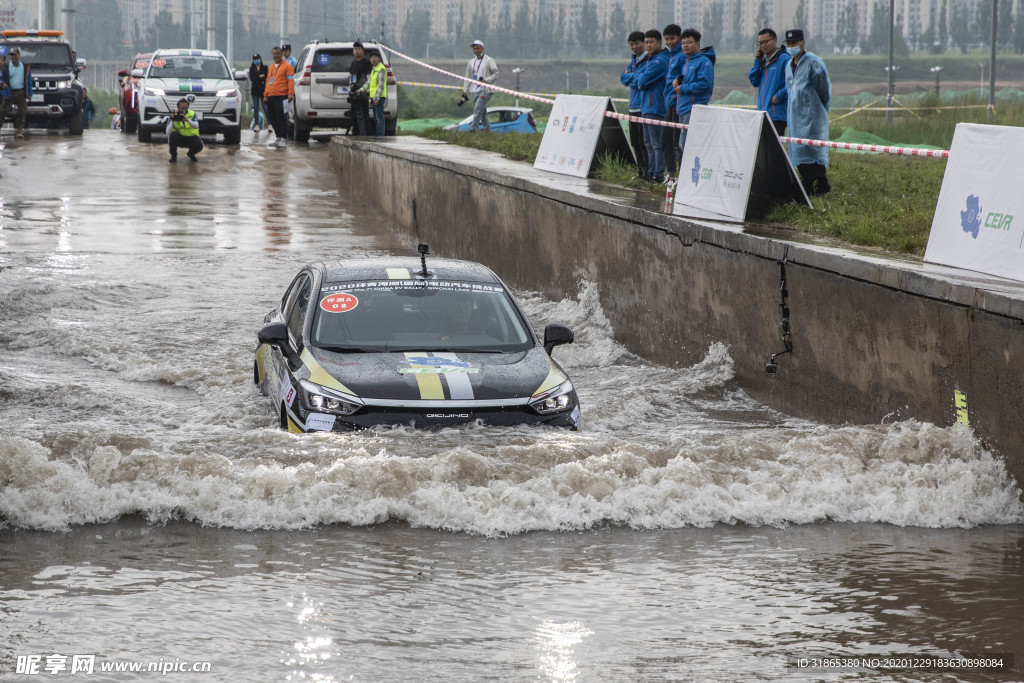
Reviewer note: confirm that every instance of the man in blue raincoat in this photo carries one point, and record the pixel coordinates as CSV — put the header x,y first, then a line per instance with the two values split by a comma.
x,y
693,79
809,93
651,84
637,63
768,75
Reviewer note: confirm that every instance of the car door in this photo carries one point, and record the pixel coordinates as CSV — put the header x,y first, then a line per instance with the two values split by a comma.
x,y
293,311
329,78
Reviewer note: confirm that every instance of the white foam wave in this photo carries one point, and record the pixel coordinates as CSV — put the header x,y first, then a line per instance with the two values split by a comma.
x,y
906,474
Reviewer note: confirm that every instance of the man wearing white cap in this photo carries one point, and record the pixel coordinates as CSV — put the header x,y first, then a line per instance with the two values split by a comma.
x,y
481,69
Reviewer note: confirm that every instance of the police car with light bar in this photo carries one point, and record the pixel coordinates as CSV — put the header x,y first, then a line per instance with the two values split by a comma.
x,y
399,341
202,77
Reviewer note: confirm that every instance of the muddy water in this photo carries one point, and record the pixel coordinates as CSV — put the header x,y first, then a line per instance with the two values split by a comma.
x,y
151,512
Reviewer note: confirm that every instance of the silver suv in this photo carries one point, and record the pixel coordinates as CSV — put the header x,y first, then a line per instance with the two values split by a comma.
x,y
200,76
322,89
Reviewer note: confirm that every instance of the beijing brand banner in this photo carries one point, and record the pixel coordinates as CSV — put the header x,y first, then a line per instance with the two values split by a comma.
x,y
577,132
734,166
979,218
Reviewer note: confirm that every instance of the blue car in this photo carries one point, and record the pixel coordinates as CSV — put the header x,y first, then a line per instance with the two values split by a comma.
x,y
503,120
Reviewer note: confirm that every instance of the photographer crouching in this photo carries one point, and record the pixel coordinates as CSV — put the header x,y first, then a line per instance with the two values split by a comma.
x,y
183,131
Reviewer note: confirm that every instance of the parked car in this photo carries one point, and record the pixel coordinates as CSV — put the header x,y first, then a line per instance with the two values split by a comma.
x,y
422,342
200,76
128,93
503,120
57,94
322,89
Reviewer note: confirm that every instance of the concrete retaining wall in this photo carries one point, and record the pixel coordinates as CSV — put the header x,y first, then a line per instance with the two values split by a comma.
x,y
872,339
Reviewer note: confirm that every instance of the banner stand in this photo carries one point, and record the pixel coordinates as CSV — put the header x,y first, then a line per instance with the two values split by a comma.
x,y
734,167
577,133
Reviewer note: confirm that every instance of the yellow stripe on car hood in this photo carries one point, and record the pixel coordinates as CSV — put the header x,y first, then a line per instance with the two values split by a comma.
x,y
429,384
554,378
317,375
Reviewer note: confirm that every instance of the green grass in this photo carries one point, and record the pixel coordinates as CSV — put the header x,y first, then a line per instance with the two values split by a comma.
x,y
877,201
515,146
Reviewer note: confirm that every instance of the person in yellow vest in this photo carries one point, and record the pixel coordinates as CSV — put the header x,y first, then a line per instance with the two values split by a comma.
x,y
377,86
183,131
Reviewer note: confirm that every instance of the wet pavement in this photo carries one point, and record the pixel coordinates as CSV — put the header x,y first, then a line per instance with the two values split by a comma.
x,y
151,510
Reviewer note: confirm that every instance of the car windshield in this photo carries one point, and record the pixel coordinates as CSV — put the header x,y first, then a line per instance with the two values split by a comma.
x,y
46,54
335,59
189,66
411,315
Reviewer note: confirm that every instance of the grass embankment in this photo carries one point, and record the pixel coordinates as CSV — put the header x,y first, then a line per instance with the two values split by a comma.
x,y
877,201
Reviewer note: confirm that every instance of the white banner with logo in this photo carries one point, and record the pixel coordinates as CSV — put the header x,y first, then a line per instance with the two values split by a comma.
x,y
979,218
571,135
718,162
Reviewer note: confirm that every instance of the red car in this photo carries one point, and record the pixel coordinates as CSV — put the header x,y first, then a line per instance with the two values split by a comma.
x,y
128,97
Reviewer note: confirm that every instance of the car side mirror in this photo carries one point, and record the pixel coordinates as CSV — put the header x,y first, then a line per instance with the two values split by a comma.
x,y
80,64
138,73
556,335
276,334
241,76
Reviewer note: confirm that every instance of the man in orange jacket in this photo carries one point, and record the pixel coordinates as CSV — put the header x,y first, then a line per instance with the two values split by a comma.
x,y
280,88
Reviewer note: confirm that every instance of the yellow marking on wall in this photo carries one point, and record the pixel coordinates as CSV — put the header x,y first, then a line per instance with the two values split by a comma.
x,y
960,401
317,375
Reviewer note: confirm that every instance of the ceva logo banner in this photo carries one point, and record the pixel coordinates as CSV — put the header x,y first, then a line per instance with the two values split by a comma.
x,y
974,226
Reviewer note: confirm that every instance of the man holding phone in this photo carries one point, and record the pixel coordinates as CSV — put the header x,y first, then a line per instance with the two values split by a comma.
x,y
768,75
183,131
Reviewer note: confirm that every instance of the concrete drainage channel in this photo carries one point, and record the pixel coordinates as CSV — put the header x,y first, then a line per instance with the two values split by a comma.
x,y
815,332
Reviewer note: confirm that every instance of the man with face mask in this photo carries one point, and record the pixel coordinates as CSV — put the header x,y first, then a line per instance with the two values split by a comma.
x,y
809,93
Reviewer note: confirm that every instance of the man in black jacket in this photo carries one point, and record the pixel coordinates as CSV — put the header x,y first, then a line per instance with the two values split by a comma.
x,y
359,101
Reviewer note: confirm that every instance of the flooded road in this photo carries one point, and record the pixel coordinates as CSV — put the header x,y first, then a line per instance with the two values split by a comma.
x,y
150,510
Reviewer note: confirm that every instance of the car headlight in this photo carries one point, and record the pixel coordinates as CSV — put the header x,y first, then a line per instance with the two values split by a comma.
x,y
63,84
326,400
230,92
556,400
153,91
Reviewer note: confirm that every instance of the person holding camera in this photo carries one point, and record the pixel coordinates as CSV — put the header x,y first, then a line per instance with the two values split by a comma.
x,y
183,131
481,69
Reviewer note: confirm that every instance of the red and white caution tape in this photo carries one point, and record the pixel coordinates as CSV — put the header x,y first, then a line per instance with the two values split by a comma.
x,y
880,149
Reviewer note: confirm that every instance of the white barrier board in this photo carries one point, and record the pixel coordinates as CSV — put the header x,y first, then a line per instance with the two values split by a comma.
x,y
571,135
979,219
718,161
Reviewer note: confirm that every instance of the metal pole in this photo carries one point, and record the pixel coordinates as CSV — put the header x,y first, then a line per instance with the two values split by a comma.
x,y
192,25
231,34
283,41
211,35
891,71
992,61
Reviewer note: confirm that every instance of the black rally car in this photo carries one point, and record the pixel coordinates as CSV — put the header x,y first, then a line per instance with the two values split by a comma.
x,y
427,342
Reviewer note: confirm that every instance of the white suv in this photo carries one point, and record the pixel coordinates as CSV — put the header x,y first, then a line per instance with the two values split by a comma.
x,y
200,76
322,89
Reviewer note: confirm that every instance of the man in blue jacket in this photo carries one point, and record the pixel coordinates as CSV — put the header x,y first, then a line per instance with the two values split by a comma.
x,y
670,135
768,75
651,84
637,63
810,92
695,79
